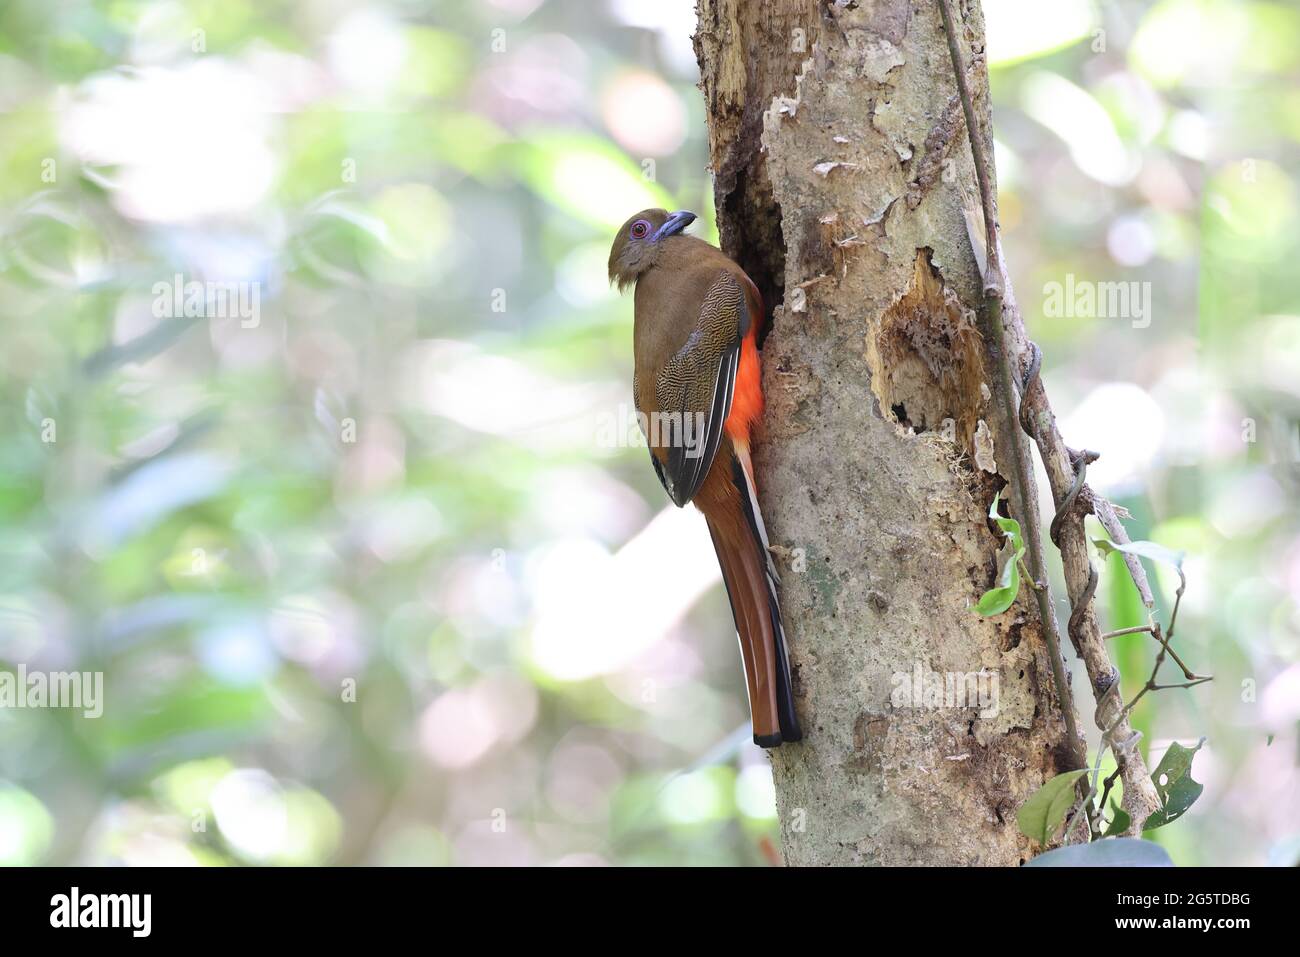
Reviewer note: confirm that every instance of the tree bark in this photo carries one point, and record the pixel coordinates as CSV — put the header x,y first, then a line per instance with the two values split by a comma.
x,y
844,186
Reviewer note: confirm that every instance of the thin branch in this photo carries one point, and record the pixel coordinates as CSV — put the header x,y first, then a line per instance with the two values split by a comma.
x,y
1153,630
1127,631
1184,684
1101,804
1029,579
1066,470
1178,600
1085,799
1007,340
1164,639
993,271
1109,518
1022,476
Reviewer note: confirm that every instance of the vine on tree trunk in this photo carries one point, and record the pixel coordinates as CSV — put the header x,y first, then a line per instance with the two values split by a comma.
x,y
1041,816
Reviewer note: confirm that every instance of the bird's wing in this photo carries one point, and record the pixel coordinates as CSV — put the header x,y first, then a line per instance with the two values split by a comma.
x,y
694,390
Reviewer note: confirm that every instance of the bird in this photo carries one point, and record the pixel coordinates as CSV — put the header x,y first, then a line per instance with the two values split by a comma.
x,y
698,394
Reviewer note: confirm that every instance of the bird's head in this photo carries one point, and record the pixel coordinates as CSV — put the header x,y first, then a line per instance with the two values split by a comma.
x,y
638,243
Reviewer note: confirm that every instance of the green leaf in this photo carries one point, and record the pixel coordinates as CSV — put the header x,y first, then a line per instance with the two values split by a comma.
x,y
1010,527
1108,852
1179,791
1040,816
1157,553
1119,820
1003,595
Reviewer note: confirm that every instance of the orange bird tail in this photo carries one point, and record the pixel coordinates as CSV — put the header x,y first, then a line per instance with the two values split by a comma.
x,y
740,540
729,500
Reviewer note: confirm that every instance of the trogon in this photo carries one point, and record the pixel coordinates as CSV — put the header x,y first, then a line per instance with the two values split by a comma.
x,y
698,394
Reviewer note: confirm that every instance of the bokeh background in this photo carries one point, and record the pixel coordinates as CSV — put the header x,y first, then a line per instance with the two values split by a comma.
x,y
365,579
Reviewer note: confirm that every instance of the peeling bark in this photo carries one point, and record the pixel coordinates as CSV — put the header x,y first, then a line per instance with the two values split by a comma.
x,y
843,186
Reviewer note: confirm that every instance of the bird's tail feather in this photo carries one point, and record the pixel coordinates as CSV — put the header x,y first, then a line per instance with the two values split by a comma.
x,y
751,578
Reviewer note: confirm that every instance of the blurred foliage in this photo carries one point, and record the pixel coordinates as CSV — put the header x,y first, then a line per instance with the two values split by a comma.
x,y
357,570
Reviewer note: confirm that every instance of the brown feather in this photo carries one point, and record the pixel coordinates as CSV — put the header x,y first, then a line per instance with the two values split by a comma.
x,y
746,579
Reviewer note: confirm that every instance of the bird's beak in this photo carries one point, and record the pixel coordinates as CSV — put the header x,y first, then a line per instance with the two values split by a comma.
x,y
674,224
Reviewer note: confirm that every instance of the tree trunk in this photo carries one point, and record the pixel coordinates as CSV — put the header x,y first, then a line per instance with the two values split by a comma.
x,y
844,186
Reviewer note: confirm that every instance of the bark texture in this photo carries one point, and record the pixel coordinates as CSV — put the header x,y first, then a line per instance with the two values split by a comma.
x,y
844,186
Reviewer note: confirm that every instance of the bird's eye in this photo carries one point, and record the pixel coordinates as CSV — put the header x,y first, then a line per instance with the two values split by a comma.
x,y
640,228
